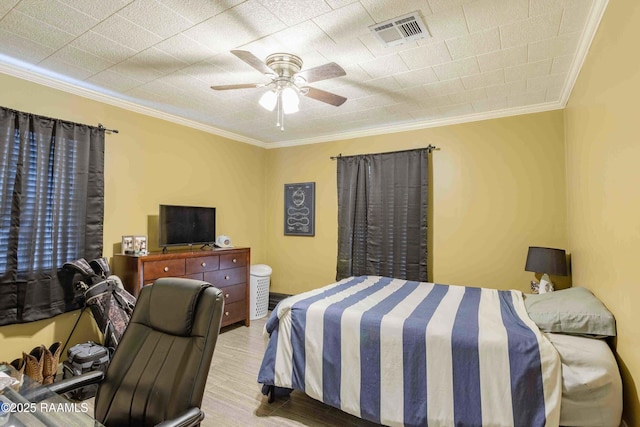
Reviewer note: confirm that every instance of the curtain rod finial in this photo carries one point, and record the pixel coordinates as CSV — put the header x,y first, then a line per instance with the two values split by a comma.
x,y
101,127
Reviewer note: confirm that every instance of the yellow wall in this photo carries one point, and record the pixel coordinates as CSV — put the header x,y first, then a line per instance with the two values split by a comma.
x,y
603,151
498,187
15,339
150,162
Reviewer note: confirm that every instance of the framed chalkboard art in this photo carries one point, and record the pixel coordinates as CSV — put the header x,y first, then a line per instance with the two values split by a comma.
x,y
300,209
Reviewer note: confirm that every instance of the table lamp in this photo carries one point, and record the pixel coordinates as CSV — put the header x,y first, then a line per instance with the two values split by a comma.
x,y
546,261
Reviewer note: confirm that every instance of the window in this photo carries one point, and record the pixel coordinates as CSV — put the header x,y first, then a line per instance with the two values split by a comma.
x,y
51,210
40,210
382,215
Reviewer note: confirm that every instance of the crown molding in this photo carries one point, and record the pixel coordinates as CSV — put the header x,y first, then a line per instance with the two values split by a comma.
x,y
59,84
593,21
529,109
64,86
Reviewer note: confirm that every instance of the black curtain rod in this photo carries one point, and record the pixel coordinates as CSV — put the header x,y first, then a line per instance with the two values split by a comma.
x,y
430,148
101,127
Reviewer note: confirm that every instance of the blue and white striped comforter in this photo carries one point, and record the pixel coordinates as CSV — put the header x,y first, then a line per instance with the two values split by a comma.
x,y
415,354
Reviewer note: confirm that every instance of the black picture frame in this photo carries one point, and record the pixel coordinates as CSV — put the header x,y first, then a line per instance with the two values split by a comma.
x,y
300,209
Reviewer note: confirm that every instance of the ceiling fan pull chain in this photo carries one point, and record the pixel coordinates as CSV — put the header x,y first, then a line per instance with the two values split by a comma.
x,y
278,110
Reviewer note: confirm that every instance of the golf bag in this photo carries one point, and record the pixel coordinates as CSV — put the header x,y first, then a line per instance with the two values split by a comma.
x,y
110,304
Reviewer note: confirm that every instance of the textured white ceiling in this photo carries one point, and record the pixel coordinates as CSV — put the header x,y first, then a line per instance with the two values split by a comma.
x,y
485,58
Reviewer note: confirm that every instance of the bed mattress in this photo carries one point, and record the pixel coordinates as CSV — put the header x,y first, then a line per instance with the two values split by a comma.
x,y
591,383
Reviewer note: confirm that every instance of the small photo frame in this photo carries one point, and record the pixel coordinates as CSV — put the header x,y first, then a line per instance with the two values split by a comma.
x,y
127,245
140,245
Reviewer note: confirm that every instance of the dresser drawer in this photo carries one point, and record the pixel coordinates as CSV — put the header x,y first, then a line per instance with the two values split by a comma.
x,y
231,276
233,312
165,268
201,264
194,276
228,270
232,261
233,293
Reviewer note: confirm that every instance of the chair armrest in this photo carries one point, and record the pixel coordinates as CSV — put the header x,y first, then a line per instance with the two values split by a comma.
x,y
68,384
190,417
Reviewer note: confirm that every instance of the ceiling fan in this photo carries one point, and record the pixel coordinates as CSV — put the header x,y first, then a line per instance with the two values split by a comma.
x,y
288,82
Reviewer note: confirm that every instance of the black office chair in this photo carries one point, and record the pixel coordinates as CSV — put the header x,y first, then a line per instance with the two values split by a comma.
x,y
159,369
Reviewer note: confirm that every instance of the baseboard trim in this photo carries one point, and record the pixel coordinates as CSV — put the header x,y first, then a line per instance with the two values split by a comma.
x,y
275,298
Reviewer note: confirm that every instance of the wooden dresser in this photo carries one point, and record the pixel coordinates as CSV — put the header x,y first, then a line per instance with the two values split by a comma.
x,y
226,269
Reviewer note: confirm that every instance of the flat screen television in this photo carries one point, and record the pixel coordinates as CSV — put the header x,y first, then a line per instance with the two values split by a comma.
x,y
186,225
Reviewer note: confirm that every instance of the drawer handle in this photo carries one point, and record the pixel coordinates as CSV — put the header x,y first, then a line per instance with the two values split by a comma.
x,y
226,277
166,269
204,264
226,313
226,295
235,260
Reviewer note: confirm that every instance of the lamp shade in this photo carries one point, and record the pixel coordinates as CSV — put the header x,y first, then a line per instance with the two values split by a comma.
x,y
268,100
290,100
546,260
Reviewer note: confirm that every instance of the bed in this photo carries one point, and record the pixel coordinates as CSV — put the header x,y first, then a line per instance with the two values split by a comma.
x,y
398,352
591,383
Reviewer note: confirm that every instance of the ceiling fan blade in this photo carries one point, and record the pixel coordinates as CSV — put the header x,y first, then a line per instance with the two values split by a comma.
x,y
253,60
324,96
322,72
239,86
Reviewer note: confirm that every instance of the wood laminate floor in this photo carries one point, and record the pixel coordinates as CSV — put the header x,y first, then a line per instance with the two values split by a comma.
x,y
232,396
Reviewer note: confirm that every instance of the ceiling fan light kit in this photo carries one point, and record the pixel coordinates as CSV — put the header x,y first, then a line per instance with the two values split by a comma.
x,y
290,101
268,100
288,83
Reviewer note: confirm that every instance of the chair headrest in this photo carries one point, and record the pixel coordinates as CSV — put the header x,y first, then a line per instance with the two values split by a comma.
x,y
173,303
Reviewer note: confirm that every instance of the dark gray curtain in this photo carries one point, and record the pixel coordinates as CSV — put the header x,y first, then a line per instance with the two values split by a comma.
x,y
382,215
51,211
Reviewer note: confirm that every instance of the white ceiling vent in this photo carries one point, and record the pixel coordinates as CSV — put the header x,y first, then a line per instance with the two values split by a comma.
x,y
400,30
